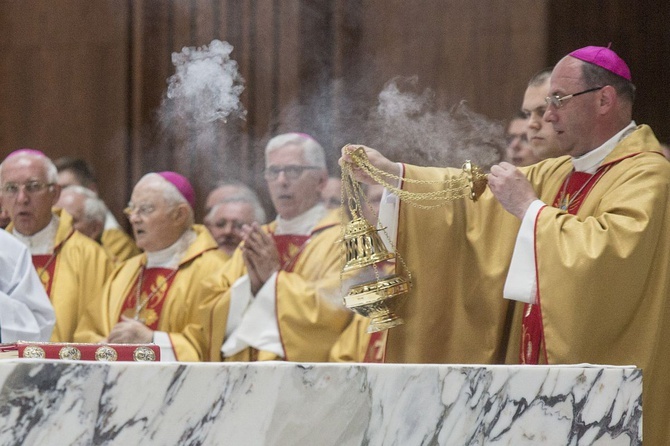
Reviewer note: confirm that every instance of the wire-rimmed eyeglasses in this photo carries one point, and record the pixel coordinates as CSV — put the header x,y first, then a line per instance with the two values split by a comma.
x,y
142,210
291,171
557,101
31,187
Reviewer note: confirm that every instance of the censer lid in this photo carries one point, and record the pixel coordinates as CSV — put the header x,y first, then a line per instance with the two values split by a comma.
x,y
363,246
359,226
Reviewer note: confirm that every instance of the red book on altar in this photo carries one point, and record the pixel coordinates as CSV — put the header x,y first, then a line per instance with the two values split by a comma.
x,y
85,352
8,351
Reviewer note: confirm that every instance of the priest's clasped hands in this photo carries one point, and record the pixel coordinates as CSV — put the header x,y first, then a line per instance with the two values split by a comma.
x,y
260,255
129,331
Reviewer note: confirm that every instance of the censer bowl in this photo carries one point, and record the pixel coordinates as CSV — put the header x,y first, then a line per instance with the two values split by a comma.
x,y
379,300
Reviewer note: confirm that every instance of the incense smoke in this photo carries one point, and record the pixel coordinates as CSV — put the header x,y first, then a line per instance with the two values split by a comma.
x,y
201,116
201,113
206,86
411,127
405,124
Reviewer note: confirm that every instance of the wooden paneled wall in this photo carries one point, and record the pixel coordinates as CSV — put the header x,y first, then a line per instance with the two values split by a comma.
x,y
64,74
88,78
317,66
639,32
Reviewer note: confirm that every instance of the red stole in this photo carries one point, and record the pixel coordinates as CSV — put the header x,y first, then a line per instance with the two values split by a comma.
x,y
155,283
45,264
376,351
290,246
570,197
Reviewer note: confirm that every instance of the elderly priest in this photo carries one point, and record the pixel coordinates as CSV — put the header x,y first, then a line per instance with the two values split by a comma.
x,y
158,296
72,267
281,289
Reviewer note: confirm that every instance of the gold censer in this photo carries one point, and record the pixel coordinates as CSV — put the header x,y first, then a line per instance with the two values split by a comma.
x,y
375,288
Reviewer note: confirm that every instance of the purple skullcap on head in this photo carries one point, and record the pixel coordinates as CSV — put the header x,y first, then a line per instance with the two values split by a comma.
x,y
605,58
26,151
182,184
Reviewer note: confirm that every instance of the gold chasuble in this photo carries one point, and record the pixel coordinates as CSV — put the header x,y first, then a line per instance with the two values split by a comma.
x,y
119,245
172,301
223,255
357,345
602,274
576,186
310,313
72,276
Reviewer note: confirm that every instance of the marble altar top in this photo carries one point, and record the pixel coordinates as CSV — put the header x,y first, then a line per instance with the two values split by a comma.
x,y
46,402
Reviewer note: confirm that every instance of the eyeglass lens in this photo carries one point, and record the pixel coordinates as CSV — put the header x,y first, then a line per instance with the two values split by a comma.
x,y
31,187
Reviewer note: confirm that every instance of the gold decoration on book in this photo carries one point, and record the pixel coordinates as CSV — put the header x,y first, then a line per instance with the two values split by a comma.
x,y
376,288
144,354
105,353
69,352
34,352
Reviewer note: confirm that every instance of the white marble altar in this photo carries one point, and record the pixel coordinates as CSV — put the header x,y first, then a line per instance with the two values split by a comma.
x,y
82,403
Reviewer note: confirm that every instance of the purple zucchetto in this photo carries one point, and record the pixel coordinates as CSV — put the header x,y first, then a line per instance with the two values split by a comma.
x,y
605,58
182,184
26,151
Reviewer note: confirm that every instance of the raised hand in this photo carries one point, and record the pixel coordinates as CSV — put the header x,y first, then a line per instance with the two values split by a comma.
x,y
376,159
511,188
260,255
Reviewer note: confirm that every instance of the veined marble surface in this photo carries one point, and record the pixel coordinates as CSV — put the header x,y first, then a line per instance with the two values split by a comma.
x,y
82,403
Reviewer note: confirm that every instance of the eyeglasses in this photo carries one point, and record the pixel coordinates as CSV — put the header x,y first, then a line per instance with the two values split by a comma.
x,y
291,171
31,187
557,101
235,225
142,210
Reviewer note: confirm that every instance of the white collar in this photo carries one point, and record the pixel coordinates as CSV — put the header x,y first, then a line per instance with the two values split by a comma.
x,y
303,223
171,256
589,162
110,221
43,241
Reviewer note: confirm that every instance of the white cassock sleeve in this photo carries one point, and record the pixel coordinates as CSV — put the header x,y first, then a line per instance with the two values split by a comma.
x,y
26,314
521,282
252,321
162,340
389,213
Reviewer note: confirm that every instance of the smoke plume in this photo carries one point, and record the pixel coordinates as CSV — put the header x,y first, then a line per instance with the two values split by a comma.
x,y
201,115
206,86
413,127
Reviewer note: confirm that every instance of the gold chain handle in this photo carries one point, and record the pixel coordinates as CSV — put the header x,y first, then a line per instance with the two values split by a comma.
x,y
471,184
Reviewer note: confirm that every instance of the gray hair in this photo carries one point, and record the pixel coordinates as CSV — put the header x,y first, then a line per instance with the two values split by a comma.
x,y
540,77
49,166
312,150
242,189
170,193
252,200
94,207
596,76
